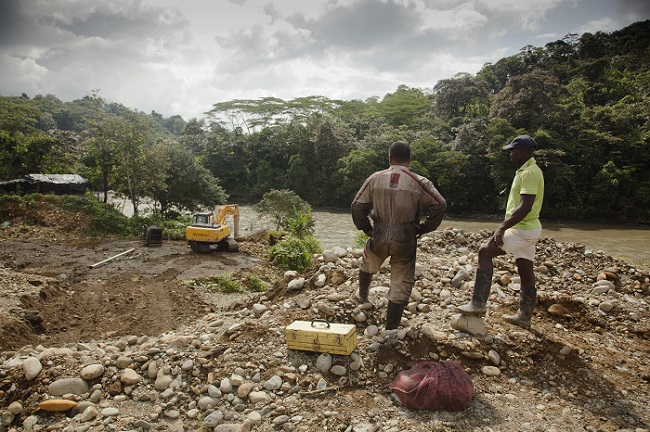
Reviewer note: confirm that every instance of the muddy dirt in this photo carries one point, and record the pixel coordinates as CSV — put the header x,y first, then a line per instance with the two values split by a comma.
x,y
142,292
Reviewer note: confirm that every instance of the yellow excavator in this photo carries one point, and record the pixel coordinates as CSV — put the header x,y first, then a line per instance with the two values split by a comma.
x,y
210,228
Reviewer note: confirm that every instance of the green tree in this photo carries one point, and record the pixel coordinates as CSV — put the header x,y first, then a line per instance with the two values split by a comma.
x,y
102,152
461,96
281,205
188,184
353,169
529,101
405,106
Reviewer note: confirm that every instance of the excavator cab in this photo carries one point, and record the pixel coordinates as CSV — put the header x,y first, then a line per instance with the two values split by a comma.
x,y
202,219
210,228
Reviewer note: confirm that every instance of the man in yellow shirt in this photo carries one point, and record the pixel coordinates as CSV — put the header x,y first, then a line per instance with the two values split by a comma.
x,y
517,235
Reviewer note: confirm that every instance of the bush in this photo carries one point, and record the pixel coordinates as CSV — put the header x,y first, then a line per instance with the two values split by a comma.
x,y
108,220
300,224
231,284
254,283
225,284
291,253
280,205
360,239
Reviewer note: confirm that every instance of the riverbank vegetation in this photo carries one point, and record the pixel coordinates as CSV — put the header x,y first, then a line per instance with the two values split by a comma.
x,y
584,98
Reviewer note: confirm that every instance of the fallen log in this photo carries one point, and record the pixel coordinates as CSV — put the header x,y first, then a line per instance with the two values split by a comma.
x,y
112,258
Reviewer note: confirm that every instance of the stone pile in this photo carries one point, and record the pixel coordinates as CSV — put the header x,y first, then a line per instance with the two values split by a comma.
x,y
231,371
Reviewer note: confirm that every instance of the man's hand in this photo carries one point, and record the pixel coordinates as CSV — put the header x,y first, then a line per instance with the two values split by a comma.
x,y
418,230
498,236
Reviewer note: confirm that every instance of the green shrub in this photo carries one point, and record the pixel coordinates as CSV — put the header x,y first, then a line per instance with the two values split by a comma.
x,y
254,283
291,253
360,239
224,283
300,224
108,220
313,245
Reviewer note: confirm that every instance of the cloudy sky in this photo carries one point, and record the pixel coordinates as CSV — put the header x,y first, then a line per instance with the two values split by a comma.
x,y
182,56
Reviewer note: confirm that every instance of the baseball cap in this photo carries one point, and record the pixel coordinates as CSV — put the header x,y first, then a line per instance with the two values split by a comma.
x,y
522,141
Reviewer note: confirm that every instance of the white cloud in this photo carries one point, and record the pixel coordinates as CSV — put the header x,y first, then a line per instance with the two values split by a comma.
x,y
182,56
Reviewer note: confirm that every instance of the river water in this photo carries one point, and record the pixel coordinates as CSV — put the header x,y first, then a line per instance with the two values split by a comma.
x,y
335,228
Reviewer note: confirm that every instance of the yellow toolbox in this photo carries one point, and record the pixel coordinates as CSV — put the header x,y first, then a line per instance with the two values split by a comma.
x,y
320,335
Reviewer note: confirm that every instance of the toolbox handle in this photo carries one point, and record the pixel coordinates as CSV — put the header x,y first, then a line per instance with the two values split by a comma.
x,y
321,320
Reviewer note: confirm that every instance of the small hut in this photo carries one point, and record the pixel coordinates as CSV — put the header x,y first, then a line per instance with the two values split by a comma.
x,y
58,184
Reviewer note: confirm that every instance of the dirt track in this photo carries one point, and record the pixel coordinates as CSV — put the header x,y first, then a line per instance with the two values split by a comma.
x,y
141,292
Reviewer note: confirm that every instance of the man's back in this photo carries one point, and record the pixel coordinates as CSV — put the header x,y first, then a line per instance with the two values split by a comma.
x,y
397,196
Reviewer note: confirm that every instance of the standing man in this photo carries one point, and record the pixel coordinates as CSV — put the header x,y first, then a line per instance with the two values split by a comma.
x,y
394,199
516,235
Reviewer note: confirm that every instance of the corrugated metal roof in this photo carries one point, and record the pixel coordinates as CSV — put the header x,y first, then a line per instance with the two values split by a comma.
x,y
56,178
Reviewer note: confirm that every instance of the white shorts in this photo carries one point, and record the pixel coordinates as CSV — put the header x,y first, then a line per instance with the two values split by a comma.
x,y
521,243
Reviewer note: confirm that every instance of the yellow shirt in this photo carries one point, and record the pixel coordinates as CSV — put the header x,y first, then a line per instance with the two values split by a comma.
x,y
528,180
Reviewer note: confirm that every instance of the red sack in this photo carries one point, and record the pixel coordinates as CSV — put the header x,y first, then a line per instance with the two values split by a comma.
x,y
434,386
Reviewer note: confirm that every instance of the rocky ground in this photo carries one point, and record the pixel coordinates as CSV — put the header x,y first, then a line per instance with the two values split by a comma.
x,y
131,346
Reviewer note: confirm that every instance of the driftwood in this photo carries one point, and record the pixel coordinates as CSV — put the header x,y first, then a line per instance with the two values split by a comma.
x,y
321,390
112,258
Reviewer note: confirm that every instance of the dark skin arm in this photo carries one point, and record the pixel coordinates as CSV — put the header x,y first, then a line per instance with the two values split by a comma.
x,y
525,206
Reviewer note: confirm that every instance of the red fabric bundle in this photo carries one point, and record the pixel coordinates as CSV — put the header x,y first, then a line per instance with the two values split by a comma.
x,y
434,386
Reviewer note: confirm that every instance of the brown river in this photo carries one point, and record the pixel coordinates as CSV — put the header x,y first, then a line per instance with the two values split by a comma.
x,y
335,228
632,244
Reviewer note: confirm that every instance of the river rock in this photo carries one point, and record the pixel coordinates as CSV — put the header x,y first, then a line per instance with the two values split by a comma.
x,y
494,357
490,371
15,408
109,412
258,309
324,362
259,397
329,256
273,383
76,386
359,316
32,367
461,276
57,405
163,381
296,284
469,324
434,334
206,402
558,310
225,386
606,306
130,377
89,413
320,281
92,371
244,389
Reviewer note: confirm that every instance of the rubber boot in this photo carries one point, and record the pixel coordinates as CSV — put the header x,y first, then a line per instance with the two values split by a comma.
x,y
482,285
527,298
394,313
364,286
